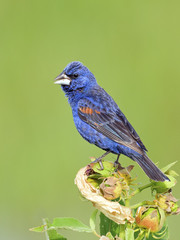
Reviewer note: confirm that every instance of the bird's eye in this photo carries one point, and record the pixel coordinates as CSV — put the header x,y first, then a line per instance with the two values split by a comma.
x,y
75,75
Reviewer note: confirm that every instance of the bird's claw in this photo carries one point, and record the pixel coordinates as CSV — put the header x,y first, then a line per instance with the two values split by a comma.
x,y
117,166
100,163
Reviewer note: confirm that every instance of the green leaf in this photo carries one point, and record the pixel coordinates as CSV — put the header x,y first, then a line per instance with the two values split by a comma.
x,y
38,229
50,233
94,182
71,224
107,171
53,235
165,169
92,220
107,225
172,173
129,234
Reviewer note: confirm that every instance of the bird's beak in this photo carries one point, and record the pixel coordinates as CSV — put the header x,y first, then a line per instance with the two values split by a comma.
x,y
62,79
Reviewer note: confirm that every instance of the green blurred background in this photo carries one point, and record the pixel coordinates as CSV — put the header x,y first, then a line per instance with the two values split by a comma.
x,y
133,49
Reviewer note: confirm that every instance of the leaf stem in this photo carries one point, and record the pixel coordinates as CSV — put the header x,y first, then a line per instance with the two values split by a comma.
x,y
45,228
122,231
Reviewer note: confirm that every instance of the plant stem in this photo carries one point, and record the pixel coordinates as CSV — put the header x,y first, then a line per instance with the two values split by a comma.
x,y
140,189
127,202
97,235
122,232
142,203
45,228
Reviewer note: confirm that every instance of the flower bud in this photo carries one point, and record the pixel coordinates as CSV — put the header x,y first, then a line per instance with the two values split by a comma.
x,y
162,187
111,188
151,218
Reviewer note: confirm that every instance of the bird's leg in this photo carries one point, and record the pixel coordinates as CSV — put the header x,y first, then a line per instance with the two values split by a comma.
x,y
117,165
117,160
100,158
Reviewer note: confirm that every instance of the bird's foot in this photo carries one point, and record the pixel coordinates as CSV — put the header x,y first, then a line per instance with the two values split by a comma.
x,y
117,165
99,160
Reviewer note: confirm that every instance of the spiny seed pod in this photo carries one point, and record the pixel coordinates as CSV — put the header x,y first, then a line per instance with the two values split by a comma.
x,y
151,218
111,188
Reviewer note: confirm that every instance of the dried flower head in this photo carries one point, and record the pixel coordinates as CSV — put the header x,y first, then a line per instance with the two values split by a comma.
x,y
168,203
113,210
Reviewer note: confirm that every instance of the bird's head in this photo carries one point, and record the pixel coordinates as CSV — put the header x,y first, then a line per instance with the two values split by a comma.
x,y
76,79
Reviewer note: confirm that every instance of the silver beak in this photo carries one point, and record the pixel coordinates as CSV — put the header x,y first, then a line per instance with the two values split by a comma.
x,y
62,79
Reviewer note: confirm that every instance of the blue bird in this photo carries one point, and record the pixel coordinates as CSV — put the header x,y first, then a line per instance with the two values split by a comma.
x,y
100,121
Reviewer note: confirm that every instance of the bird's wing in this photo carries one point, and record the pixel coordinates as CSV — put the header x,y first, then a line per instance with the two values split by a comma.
x,y
112,124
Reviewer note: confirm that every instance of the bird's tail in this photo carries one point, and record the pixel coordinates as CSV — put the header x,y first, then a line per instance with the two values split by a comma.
x,y
150,168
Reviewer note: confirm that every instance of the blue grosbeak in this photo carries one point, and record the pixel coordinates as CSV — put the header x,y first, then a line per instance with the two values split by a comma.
x,y
100,121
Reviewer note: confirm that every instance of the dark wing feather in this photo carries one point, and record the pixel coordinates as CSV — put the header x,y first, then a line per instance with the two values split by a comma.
x,y
131,129
112,124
